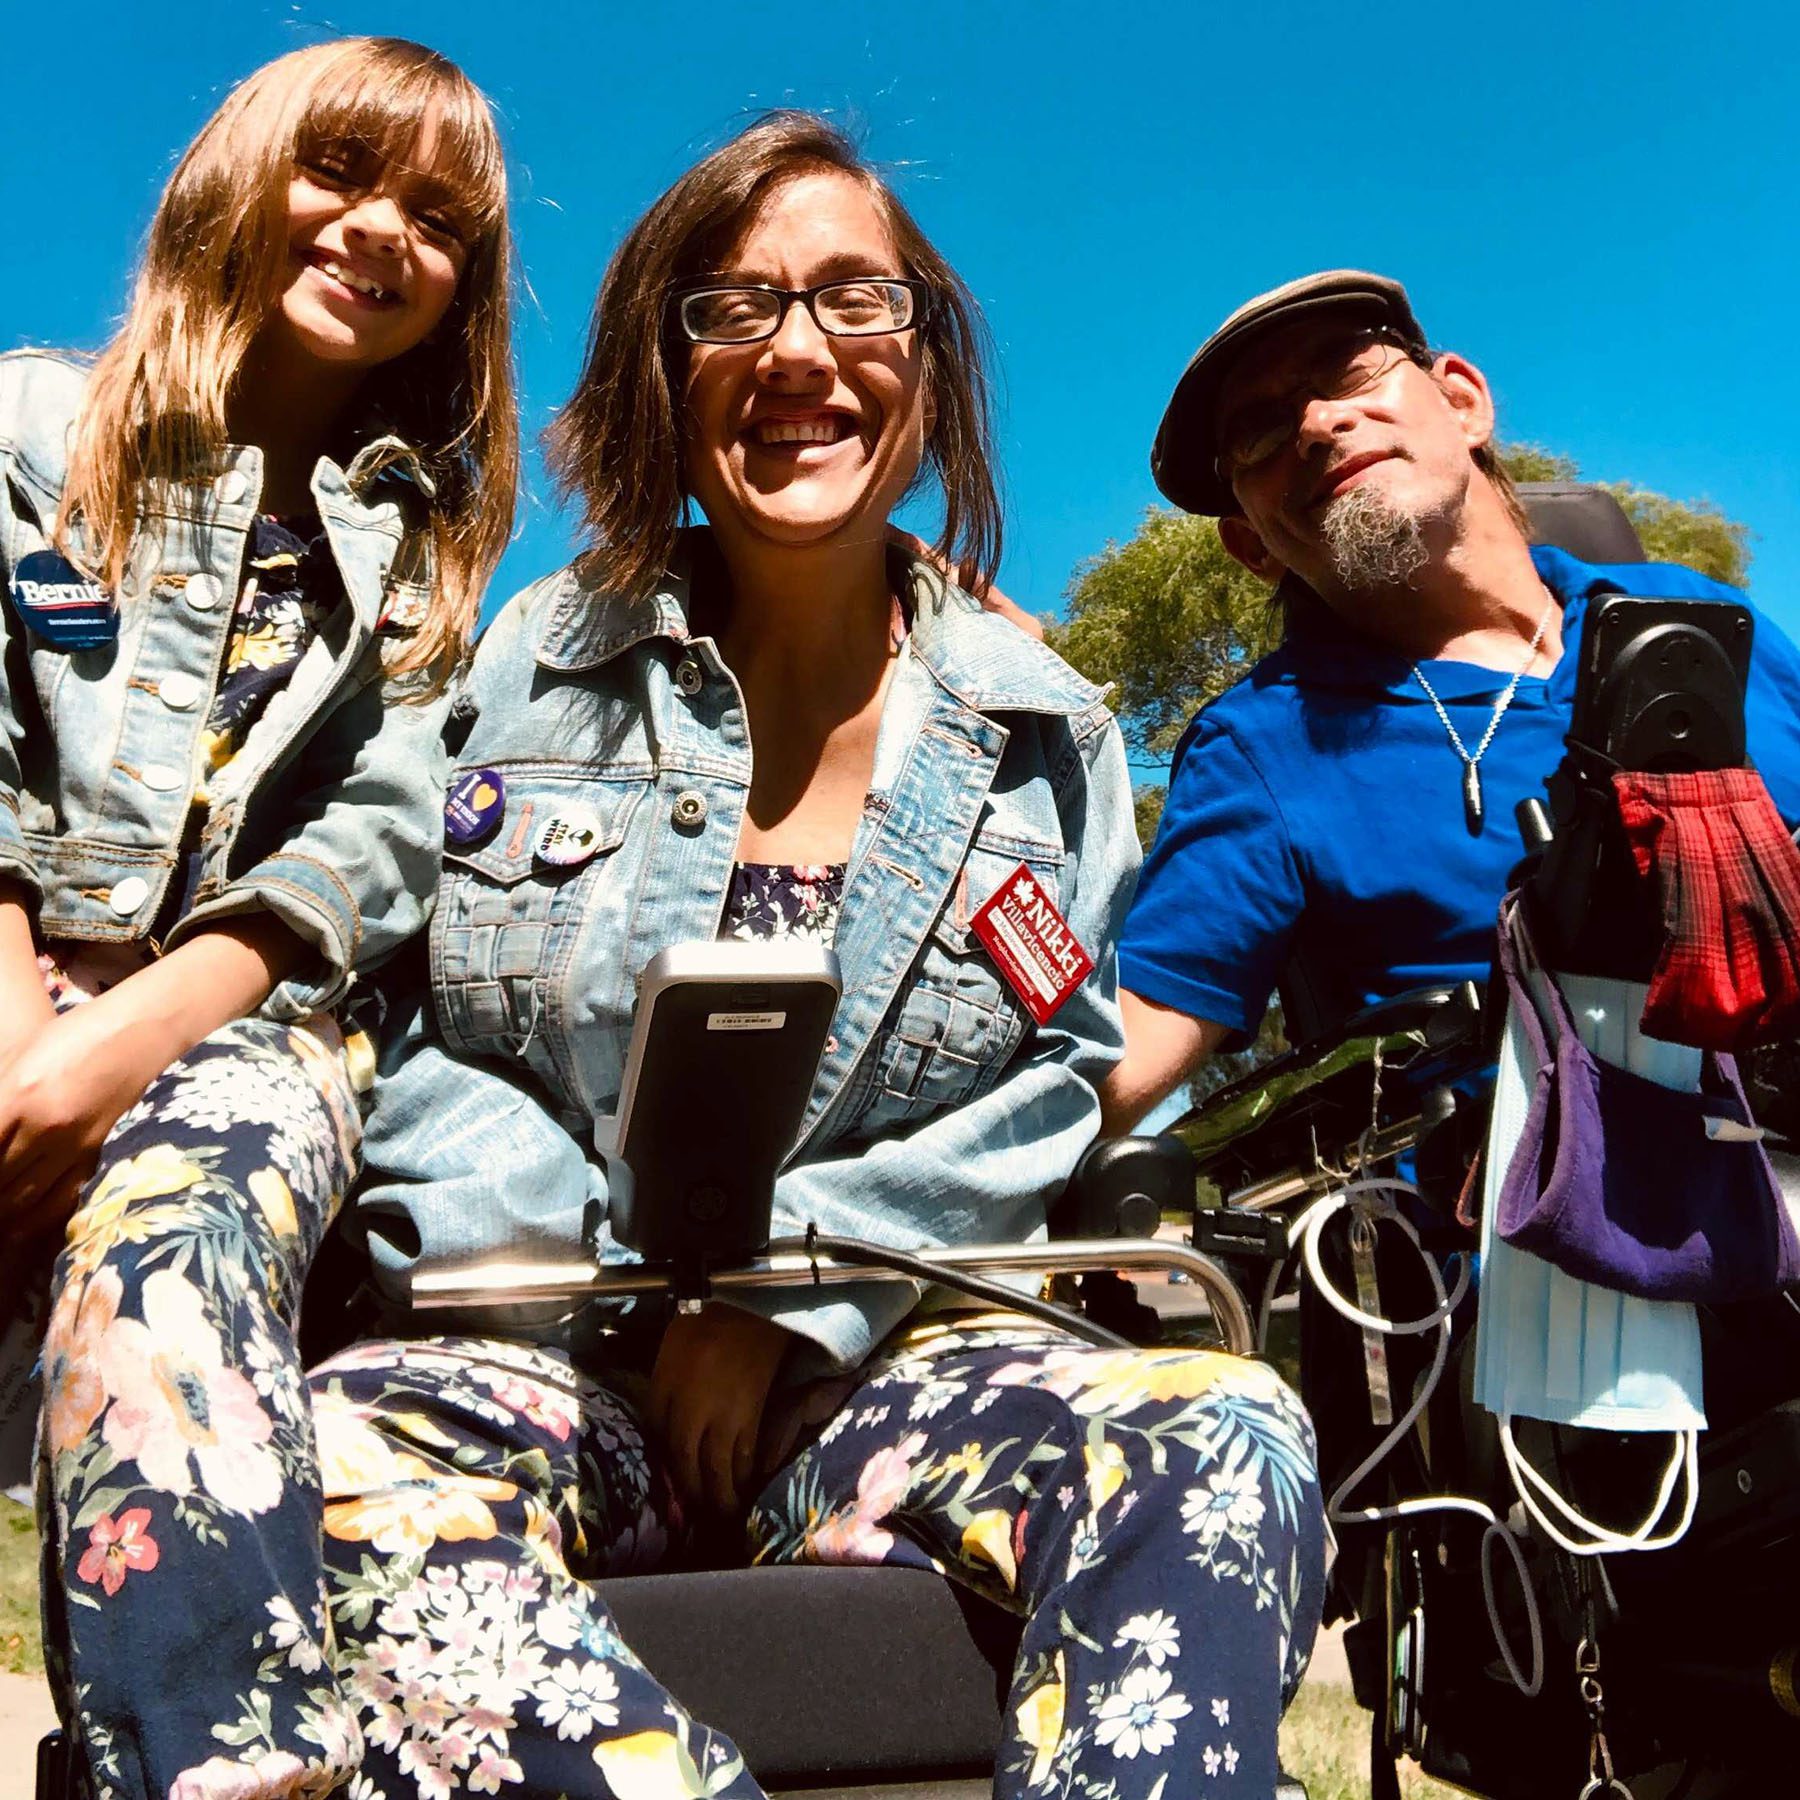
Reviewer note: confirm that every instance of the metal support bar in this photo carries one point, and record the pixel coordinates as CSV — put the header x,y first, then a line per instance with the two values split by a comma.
x,y
579,1278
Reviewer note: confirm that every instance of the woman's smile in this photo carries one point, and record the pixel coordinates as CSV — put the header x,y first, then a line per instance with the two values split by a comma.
x,y
803,436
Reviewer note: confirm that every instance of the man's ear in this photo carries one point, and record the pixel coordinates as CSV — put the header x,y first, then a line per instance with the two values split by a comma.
x,y
1470,398
1243,545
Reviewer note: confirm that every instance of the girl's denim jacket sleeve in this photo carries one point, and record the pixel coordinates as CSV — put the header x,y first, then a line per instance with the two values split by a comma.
x,y
941,1113
330,816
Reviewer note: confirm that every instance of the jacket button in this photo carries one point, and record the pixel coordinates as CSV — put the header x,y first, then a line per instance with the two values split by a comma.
x,y
128,895
689,810
688,675
232,486
178,690
161,779
202,592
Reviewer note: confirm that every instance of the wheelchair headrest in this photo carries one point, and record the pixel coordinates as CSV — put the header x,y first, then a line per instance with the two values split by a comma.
x,y
1582,519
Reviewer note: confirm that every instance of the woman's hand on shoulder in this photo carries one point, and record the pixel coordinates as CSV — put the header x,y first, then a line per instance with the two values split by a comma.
x,y
992,601
707,1393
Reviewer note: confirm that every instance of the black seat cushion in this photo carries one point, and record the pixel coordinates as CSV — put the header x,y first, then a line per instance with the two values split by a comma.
x,y
828,1675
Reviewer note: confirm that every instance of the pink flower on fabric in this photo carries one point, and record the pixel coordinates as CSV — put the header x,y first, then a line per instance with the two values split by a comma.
x,y
75,1390
116,1545
856,1536
175,1402
267,1778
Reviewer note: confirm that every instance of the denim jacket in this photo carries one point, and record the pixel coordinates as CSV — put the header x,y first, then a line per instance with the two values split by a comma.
x,y
941,1113
330,816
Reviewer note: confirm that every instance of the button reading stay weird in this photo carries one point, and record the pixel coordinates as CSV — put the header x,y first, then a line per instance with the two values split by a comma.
x,y
568,838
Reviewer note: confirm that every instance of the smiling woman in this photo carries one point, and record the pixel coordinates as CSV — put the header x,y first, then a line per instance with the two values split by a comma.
x,y
781,723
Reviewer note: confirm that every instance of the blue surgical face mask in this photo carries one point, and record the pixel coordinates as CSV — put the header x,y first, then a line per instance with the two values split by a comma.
x,y
1550,1347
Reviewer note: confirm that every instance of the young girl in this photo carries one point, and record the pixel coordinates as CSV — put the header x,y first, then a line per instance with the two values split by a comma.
x,y
242,553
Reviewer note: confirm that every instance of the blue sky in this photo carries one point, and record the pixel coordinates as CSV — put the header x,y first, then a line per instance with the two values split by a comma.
x,y
1594,202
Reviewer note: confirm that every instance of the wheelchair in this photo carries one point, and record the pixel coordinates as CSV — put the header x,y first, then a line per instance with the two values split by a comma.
x,y
1687,1653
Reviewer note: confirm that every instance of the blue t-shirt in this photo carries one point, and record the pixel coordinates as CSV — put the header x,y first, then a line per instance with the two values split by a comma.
x,y
1316,808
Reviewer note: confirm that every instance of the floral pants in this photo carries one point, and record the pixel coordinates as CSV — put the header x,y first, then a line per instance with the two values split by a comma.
x,y
387,1592
178,1483
1154,1515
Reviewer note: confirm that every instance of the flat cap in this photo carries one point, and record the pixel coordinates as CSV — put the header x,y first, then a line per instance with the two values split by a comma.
x,y
1186,449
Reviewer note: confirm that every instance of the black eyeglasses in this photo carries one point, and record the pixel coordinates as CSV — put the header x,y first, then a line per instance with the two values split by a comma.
x,y
863,306
1345,367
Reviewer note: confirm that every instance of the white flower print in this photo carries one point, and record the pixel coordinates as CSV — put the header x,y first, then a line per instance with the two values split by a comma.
x,y
1211,1759
1231,1504
1221,1712
289,1632
931,1400
1230,1760
1140,1714
1155,1633
984,1400
577,1697
839,1425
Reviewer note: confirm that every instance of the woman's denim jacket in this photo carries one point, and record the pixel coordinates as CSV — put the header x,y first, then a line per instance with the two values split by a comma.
x,y
941,1113
330,815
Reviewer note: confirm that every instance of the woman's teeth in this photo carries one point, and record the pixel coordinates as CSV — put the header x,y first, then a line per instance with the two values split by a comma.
x,y
800,431
361,283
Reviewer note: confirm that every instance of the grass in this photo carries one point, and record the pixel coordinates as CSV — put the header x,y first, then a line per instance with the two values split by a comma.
x,y
1325,1743
21,1653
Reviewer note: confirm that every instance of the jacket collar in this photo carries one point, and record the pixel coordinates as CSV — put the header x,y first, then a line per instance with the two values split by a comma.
x,y
975,656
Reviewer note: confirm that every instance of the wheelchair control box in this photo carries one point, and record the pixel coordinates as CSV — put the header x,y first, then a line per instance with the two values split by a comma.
x,y
725,1048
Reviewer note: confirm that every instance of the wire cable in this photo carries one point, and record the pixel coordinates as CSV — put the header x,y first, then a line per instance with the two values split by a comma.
x,y
977,1287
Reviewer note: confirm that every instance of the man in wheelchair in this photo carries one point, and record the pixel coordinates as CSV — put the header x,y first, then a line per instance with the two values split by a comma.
x,y
1342,822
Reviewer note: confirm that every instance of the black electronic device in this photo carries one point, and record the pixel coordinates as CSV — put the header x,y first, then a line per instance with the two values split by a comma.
x,y
1659,689
725,1048
1660,685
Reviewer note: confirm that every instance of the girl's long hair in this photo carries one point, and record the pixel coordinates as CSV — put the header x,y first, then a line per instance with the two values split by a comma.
x,y
618,447
214,265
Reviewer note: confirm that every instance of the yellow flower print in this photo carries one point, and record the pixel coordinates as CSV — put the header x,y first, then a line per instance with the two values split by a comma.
x,y
961,1462
1040,1717
1105,1473
1111,1382
262,647
102,1222
988,1538
272,1193
648,1765
375,1494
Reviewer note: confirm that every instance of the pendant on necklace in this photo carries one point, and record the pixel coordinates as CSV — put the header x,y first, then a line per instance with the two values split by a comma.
x,y
1472,799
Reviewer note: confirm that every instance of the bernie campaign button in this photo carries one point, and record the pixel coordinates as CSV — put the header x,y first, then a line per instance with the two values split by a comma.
x,y
58,603
568,838
473,806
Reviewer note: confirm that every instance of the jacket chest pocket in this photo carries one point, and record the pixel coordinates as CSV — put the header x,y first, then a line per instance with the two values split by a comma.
x,y
957,1022
507,917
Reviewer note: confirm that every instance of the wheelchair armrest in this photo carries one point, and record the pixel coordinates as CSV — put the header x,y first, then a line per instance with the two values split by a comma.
x,y
1315,1100
1123,1186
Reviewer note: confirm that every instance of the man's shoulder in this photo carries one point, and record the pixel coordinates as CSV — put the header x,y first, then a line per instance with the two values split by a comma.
x,y
1571,578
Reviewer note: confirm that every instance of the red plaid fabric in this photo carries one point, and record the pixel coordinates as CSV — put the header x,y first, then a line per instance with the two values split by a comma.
x,y
1728,874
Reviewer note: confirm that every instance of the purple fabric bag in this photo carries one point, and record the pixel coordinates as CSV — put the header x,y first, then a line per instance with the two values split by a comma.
x,y
1620,1181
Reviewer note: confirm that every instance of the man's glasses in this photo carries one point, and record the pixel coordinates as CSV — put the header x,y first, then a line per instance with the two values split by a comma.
x,y
866,306
1348,366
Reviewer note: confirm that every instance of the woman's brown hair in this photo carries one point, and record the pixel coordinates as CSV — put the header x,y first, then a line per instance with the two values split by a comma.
x,y
213,267
618,445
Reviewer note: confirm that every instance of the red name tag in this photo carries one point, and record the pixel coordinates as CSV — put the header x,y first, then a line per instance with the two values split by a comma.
x,y
1031,941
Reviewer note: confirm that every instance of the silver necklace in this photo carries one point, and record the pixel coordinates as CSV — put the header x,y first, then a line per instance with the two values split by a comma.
x,y
1471,786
